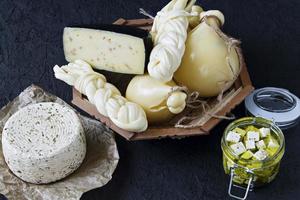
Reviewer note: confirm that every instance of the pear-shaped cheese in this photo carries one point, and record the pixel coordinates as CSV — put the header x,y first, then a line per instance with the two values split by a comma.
x,y
207,66
157,98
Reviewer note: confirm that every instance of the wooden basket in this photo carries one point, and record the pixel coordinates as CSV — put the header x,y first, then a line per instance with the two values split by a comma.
x,y
241,88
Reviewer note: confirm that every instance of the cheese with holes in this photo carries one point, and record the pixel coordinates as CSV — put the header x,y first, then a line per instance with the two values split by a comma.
x,y
43,142
113,48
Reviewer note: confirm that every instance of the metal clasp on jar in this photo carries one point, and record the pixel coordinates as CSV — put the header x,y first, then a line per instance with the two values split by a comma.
x,y
246,189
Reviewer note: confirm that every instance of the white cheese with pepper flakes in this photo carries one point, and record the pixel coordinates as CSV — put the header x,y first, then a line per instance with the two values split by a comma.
x,y
260,144
253,135
238,148
105,50
264,132
260,154
43,142
233,137
250,144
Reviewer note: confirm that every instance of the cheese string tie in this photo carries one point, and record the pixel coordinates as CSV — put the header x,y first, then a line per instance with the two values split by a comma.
x,y
105,96
194,121
194,101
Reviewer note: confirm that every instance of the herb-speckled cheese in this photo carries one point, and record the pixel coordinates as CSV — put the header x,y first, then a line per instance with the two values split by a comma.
x,y
106,50
43,142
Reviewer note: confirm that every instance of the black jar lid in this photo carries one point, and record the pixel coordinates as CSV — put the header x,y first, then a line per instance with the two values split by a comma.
x,y
276,104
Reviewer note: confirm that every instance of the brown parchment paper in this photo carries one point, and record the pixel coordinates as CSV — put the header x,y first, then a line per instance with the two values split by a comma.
x,y
96,170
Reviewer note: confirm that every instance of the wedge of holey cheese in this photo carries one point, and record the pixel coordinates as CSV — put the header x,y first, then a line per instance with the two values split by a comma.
x,y
113,48
43,142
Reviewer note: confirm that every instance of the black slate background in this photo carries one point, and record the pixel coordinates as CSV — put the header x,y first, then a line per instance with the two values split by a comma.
x,y
188,169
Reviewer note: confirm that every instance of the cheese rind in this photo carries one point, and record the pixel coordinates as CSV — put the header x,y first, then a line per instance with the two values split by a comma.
x,y
108,50
43,142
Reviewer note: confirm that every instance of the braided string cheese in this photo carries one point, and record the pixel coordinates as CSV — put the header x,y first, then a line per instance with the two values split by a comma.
x,y
105,96
169,31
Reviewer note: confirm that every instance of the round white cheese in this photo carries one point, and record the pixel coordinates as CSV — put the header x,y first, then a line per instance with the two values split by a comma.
x,y
43,142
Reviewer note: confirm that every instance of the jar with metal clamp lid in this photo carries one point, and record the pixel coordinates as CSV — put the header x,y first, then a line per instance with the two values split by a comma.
x,y
250,173
277,104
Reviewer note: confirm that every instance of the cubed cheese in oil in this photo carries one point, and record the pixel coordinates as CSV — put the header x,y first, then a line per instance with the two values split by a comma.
x,y
240,131
253,135
238,148
250,144
260,144
247,155
233,137
260,154
264,132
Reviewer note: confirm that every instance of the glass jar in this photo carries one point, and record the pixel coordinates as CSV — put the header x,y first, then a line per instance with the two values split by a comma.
x,y
277,104
247,174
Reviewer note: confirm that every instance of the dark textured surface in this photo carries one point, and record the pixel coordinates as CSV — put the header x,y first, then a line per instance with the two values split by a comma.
x,y
30,44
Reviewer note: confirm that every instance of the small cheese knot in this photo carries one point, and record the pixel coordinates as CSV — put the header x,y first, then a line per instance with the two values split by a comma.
x,y
176,102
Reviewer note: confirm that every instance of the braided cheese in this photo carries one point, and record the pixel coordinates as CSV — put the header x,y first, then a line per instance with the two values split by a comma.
x,y
169,32
105,96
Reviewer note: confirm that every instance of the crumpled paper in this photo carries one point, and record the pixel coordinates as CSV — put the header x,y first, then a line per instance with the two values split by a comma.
x,y
96,170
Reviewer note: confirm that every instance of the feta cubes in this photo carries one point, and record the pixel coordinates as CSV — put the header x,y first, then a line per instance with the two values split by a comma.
x,y
233,137
264,132
247,155
238,148
272,143
253,135
250,144
260,154
260,144
240,131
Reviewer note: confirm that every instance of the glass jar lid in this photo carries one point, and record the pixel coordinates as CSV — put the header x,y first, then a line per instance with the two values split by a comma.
x,y
276,104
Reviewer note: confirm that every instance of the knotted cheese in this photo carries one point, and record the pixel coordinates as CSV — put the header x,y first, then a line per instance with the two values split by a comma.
x,y
159,100
169,32
105,96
